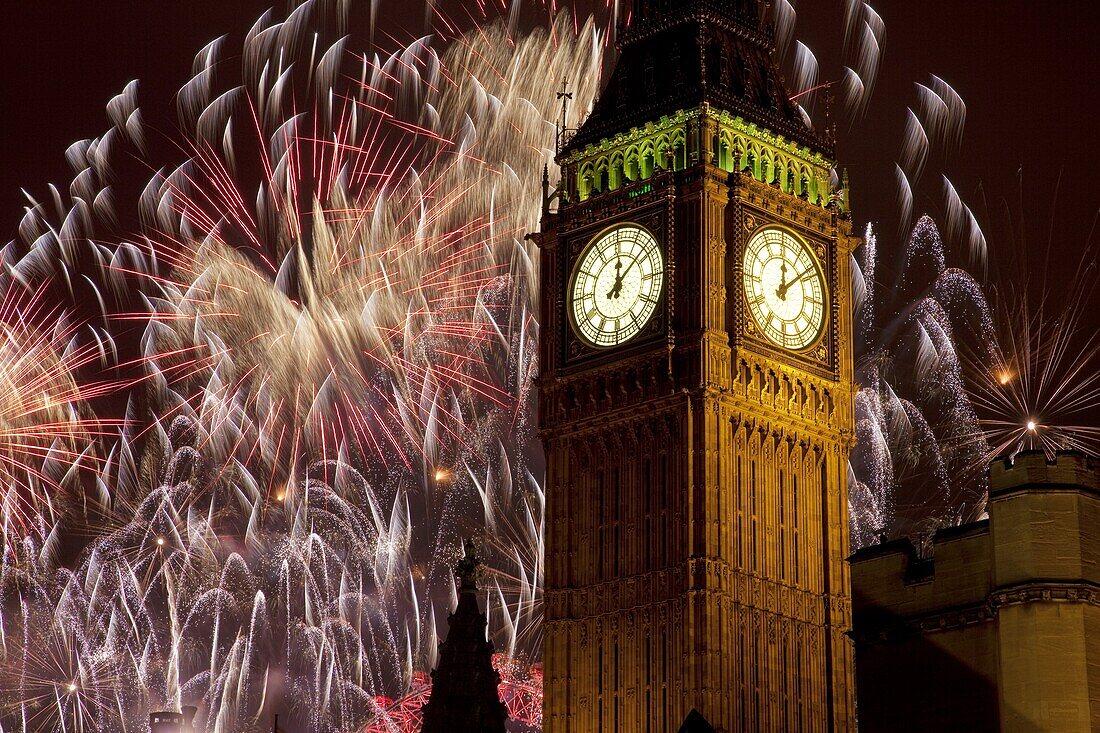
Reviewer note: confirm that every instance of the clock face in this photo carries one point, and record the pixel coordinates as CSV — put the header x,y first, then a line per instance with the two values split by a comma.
x,y
616,285
784,288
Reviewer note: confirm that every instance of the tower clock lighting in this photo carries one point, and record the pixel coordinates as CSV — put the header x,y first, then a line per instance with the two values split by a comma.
x,y
696,394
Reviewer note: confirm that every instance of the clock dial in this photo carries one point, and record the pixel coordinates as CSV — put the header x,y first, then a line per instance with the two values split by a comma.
x,y
784,288
616,285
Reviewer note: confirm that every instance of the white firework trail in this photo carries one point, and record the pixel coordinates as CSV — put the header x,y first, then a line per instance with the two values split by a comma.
x,y
920,444
337,366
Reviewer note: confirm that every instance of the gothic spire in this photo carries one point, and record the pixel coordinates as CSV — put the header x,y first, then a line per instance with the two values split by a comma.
x,y
749,12
683,54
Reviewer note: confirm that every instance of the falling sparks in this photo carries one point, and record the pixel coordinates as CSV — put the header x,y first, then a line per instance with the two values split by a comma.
x,y
1047,385
331,339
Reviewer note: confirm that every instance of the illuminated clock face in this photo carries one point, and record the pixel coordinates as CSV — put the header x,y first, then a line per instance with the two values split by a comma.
x,y
616,285
784,288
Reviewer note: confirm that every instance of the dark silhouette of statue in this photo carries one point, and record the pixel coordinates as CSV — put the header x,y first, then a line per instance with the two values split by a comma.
x,y
465,697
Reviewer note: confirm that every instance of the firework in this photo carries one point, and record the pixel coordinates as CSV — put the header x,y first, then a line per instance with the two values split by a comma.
x,y
334,384
1039,387
48,431
918,464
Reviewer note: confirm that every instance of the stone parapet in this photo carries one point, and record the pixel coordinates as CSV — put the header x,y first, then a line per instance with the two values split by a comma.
x,y
1044,517
1037,472
1000,623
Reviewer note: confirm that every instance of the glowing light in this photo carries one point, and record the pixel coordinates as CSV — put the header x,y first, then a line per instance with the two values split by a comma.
x,y
346,318
915,415
72,687
1032,425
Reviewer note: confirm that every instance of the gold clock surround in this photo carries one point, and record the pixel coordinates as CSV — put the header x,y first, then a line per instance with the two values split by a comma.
x,y
785,289
616,285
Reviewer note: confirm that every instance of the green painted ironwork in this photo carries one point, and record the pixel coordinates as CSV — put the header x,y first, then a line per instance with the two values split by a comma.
x,y
682,139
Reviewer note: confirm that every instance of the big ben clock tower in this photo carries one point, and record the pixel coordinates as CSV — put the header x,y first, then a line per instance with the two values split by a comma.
x,y
696,394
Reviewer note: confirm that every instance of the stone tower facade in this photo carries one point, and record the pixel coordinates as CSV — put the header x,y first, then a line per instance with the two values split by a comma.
x,y
696,394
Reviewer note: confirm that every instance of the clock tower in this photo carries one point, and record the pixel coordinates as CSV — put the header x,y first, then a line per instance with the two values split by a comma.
x,y
696,394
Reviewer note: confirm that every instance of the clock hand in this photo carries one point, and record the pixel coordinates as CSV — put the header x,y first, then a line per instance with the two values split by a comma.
x,y
781,291
621,276
629,264
783,288
618,286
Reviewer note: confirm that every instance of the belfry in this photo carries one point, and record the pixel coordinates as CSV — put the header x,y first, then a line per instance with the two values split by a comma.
x,y
696,394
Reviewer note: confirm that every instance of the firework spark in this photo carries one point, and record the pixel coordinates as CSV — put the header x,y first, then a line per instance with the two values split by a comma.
x,y
48,431
334,384
1042,384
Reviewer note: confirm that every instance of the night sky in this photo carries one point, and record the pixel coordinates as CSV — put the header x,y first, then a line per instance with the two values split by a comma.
x,y
1027,71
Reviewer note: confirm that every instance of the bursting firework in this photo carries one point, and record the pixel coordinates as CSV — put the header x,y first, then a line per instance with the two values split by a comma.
x,y
327,310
